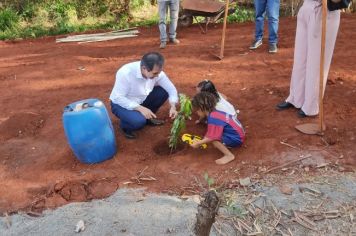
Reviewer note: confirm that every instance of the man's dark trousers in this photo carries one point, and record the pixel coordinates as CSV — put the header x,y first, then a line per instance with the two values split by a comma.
x,y
131,120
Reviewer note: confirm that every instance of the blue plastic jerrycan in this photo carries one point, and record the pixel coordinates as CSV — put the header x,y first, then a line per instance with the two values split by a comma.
x,y
89,131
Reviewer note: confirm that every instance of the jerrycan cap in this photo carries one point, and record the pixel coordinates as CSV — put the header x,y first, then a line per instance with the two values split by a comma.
x,y
98,104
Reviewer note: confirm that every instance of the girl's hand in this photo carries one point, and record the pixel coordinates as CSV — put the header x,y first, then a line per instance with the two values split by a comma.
x,y
195,144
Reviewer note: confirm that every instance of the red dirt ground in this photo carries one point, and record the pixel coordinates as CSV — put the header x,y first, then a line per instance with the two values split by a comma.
x,y
39,77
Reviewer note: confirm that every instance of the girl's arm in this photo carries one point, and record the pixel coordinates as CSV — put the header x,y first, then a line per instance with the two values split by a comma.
x,y
198,143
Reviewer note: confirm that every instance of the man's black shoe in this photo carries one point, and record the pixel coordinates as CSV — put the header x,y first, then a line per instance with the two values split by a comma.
x,y
301,114
154,122
284,105
128,134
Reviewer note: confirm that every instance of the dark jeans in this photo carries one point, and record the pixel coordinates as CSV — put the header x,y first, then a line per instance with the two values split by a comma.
x,y
133,120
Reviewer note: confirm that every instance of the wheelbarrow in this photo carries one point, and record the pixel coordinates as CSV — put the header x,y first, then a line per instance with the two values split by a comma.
x,y
211,10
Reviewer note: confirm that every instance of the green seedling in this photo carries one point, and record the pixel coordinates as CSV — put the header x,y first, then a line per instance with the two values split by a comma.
x,y
209,181
179,122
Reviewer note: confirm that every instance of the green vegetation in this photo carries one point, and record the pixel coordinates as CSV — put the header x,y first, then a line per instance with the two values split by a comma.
x,y
25,18
179,122
35,18
210,181
241,15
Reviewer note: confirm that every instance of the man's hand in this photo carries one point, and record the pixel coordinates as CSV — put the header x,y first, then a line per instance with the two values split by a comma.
x,y
147,113
173,112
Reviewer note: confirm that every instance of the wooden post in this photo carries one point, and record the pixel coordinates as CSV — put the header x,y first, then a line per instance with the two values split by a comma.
x,y
222,46
207,211
322,62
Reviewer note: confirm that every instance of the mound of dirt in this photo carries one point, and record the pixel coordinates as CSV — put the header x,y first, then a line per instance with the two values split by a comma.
x,y
21,125
75,191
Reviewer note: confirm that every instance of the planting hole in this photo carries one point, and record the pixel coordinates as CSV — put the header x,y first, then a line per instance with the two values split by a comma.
x,y
162,149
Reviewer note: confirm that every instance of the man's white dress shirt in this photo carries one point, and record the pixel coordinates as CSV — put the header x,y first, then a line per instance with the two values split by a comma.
x,y
131,88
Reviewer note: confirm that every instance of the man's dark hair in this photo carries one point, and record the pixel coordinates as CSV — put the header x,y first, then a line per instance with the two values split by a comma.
x,y
204,101
149,60
208,86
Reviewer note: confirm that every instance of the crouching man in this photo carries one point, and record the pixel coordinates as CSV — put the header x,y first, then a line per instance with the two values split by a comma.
x,y
140,89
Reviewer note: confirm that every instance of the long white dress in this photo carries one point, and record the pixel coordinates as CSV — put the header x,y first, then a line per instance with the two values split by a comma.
x,y
304,85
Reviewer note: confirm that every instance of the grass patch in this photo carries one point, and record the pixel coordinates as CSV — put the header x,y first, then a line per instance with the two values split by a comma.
x,y
241,15
9,19
62,17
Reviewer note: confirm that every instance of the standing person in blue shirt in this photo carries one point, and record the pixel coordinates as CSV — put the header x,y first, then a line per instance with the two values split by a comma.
x,y
163,6
224,130
271,7
140,89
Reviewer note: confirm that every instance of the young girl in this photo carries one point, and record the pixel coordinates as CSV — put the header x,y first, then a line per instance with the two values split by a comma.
x,y
224,130
222,103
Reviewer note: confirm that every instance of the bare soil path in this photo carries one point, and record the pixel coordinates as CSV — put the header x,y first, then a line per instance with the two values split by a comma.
x,y
39,77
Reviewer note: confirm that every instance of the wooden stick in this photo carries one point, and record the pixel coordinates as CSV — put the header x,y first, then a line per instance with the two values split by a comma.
x,y
224,30
290,232
237,227
7,221
304,223
306,219
244,225
310,189
124,30
289,145
322,61
288,163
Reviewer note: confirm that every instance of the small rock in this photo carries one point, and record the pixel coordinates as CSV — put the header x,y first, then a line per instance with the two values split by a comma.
x,y
196,199
341,169
286,189
245,181
306,169
80,226
236,171
169,230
